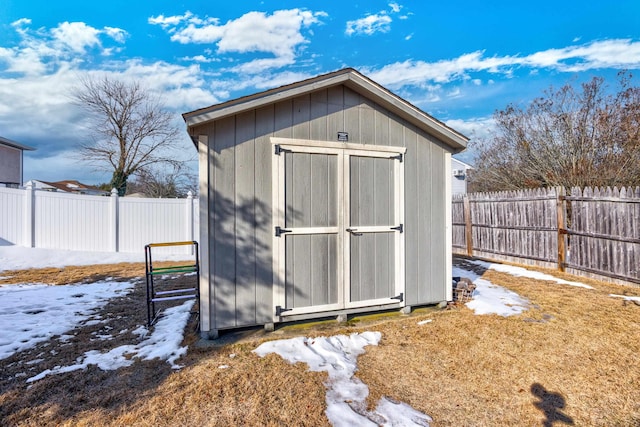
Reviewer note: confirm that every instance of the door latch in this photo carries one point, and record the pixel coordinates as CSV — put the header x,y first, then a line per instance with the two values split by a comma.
x,y
354,231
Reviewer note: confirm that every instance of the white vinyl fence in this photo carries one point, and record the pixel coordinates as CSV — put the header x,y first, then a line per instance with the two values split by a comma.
x,y
43,219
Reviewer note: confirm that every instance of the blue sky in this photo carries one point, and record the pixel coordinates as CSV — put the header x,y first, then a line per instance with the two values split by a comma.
x,y
459,61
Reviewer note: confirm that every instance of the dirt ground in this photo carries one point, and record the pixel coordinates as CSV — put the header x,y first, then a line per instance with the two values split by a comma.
x,y
572,359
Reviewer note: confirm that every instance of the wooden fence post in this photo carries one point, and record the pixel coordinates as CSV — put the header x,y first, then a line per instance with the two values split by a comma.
x,y
467,224
561,207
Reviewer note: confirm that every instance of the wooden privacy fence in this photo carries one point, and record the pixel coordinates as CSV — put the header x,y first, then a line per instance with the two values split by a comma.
x,y
590,232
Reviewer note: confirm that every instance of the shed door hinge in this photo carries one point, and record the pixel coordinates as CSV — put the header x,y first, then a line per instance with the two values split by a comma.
x,y
399,297
399,228
280,230
399,157
280,310
279,149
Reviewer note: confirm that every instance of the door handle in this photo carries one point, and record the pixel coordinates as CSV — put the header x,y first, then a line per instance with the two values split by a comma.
x,y
354,231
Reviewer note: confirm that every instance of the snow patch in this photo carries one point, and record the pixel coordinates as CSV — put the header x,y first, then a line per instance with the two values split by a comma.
x,y
346,395
488,298
35,313
523,272
163,343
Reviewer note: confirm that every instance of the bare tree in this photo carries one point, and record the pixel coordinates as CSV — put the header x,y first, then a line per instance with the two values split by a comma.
x,y
166,183
568,137
131,130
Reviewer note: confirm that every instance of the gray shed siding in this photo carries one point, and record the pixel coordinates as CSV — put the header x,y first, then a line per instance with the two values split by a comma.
x,y
239,194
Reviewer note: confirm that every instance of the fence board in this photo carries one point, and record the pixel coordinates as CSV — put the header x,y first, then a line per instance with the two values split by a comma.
x,y
604,235
598,228
514,226
12,219
54,220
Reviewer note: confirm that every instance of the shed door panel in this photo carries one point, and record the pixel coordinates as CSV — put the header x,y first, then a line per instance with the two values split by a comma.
x,y
311,229
336,214
372,238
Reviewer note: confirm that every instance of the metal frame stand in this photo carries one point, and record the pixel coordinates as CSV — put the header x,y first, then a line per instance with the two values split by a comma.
x,y
153,295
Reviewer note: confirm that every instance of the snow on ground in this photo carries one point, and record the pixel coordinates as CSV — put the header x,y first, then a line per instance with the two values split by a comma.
x,y
30,314
523,272
625,297
346,395
33,313
20,258
163,343
492,299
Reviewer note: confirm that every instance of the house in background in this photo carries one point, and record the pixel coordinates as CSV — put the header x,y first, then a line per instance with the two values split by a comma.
x,y
459,176
325,197
70,186
11,162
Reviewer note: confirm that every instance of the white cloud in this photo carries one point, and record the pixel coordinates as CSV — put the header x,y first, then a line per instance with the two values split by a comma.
x,y
38,75
370,24
395,7
199,58
279,34
40,51
117,34
616,54
77,35
474,128
166,21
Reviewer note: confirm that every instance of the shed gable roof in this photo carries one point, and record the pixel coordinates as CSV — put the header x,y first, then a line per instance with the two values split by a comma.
x,y
351,79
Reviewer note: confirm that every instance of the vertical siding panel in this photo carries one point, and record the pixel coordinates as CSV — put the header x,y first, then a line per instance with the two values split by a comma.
x,y
263,200
367,261
302,254
425,219
318,117
245,237
283,119
413,219
301,116
367,122
437,239
383,215
224,224
354,220
381,124
335,112
319,218
352,115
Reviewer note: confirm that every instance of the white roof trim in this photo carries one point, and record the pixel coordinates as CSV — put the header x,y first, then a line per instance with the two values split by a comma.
x,y
350,78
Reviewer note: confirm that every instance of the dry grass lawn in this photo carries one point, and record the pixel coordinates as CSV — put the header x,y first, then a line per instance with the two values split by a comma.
x,y
572,359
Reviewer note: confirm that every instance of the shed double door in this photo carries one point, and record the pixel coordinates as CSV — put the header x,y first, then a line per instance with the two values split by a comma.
x,y
338,226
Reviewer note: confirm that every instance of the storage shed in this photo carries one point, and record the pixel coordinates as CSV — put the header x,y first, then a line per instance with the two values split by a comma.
x,y
321,198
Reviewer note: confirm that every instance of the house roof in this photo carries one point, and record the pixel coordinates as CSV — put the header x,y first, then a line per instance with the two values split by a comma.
x,y
465,165
10,143
72,186
348,77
